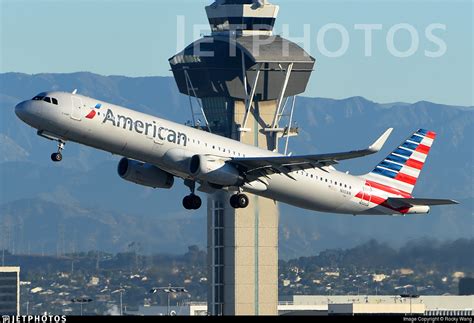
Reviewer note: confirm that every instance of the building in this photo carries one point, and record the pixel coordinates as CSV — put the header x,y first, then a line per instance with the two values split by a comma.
x,y
376,309
324,305
376,305
187,309
10,290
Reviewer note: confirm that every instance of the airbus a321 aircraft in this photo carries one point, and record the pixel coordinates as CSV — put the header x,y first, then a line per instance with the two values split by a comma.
x,y
156,151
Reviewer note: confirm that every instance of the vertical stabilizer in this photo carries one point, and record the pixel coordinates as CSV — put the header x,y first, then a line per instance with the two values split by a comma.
x,y
400,170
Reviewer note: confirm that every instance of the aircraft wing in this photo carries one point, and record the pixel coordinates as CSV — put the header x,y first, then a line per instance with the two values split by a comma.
x,y
284,164
399,202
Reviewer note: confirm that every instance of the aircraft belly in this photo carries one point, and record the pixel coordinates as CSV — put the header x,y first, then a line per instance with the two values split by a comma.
x,y
303,192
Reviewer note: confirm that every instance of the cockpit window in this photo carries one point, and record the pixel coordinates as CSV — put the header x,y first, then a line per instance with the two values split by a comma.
x,y
47,99
54,101
38,98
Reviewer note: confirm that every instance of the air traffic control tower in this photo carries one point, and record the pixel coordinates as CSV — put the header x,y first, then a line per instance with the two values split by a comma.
x,y
241,77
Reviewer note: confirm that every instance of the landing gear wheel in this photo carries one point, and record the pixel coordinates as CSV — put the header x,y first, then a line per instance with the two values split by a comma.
x,y
187,202
192,202
243,201
195,202
56,157
234,201
239,201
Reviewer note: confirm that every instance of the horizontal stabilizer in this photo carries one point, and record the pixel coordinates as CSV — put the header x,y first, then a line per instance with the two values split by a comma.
x,y
400,202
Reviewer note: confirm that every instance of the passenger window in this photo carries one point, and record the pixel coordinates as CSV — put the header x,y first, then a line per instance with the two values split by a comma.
x,y
326,180
54,101
47,99
335,183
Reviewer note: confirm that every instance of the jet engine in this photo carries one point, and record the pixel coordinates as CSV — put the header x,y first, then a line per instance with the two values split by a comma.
x,y
214,170
144,174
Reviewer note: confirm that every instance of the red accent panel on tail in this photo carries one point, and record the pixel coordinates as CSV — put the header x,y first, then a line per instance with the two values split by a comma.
x,y
414,164
388,189
406,178
423,149
431,134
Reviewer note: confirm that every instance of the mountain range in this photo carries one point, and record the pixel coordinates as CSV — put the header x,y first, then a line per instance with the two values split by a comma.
x,y
82,204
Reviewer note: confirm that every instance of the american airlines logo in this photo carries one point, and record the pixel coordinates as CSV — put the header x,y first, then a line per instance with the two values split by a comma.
x,y
93,112
148,129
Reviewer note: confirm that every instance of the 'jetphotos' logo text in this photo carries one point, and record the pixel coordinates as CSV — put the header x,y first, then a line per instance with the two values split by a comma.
x,y
149,129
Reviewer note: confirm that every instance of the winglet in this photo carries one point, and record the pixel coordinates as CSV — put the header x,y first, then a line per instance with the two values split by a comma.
x,y
378,144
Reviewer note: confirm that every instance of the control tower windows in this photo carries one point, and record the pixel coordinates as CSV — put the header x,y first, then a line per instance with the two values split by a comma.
x,y
241,23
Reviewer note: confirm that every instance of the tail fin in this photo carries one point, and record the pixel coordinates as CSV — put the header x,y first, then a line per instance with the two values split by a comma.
x,y
401,168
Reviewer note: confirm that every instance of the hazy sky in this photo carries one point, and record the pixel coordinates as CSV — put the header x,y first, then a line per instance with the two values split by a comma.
x,y
136,38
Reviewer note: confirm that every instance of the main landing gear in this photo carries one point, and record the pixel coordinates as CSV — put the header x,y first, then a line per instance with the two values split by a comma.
x,y
239,201
191,201
57,157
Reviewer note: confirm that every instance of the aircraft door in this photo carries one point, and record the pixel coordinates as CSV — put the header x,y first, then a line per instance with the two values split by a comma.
x,y
77,108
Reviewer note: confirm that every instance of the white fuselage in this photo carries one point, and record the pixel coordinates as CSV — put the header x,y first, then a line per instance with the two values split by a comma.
x,y
170,145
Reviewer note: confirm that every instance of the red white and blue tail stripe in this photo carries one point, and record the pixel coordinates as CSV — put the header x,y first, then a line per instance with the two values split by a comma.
x,y
398,172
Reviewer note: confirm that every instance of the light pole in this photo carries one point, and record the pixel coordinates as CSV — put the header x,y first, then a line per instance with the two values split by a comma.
x,y
81,301
120,290
410,296
168,290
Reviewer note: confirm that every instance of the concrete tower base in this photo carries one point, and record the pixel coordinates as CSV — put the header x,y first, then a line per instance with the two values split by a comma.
x,y
243,243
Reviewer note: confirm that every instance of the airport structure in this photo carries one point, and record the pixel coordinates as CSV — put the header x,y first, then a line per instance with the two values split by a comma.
x,y
344,305
241,79
10,290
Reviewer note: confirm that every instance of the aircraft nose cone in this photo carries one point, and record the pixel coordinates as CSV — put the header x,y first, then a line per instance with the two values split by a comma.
x,y
20,110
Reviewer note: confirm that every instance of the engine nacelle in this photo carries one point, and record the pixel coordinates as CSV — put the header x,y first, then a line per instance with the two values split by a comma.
x,y
144,174
214,170
419,209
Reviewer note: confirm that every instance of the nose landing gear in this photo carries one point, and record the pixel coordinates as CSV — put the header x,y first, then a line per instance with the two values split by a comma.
x,y
239,201
57,157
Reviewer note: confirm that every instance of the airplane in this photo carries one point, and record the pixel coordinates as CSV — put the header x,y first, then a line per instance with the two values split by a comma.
x,y
155,151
